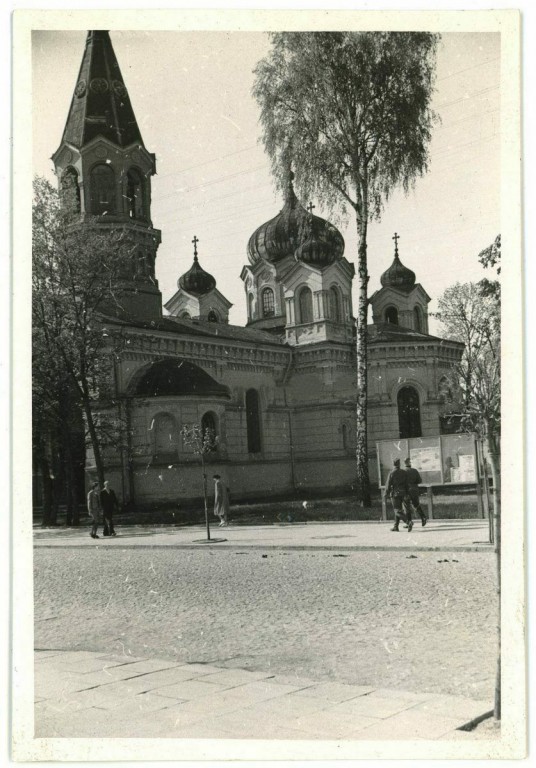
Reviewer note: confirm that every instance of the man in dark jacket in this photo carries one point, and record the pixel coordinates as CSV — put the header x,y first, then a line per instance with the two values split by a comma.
x,y
412,499
397,488
108,503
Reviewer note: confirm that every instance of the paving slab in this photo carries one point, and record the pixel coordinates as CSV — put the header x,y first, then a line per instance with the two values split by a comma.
x,y
379,707
328,724
410,725
190,689
234,677
266,708
447,706
333,693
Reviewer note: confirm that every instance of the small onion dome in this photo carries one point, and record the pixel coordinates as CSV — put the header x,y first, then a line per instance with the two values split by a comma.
x,y
323,246
282,235
196,281
398,276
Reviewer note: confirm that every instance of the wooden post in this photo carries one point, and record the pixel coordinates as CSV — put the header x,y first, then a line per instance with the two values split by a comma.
x,y
479,504
430,502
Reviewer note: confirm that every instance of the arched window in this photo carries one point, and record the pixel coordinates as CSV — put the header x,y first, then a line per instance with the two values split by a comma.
x,y
102,186
212,317
251,300
209,429
135,194
268,305
253,421
305,301
409,413
391,315
165,436
417,315
334,304
70,191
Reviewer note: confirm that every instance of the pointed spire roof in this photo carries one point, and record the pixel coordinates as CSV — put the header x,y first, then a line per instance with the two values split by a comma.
x,y
101,105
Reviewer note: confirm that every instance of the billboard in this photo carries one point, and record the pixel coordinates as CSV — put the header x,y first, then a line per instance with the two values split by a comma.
x,y
440,460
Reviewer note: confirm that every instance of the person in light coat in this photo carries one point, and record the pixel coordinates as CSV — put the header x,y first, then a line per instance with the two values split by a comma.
x,y
221,500
94,509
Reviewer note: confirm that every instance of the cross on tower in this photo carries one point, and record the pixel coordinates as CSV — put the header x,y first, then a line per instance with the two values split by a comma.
x,y
311,208
396,238
195,241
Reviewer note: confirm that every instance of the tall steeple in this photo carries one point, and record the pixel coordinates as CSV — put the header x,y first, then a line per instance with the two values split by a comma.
x,y
103,157
101,104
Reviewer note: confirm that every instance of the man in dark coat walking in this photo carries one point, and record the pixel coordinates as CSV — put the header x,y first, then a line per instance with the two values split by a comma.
x,y
412,500
108,503
397,488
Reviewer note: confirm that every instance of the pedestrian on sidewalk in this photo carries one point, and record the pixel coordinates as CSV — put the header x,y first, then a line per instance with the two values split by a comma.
x,y
412,500
94,509
108,504
397,488
221,500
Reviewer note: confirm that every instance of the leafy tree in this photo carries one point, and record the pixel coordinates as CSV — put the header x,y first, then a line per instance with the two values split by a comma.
x,y
351,112
470,312
203,442
78,265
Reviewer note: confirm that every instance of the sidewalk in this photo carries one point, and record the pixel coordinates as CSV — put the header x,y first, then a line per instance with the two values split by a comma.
x,y
437,535
87,694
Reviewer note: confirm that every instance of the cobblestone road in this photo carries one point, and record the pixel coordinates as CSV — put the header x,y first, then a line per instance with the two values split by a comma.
x,y
367,618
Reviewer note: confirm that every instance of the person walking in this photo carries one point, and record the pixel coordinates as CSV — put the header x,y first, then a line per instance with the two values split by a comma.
x,y
108,504
412,500
221,500
397,488
94,509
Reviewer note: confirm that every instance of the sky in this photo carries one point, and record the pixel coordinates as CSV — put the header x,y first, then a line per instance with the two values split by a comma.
x,y
191,93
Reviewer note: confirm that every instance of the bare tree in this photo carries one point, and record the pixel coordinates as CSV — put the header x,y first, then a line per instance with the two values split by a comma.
x,y
351,112
77,271
202,441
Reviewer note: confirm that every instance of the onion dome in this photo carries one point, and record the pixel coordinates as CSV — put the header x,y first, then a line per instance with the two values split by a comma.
x,y
196,281
398,276
323,246
282,235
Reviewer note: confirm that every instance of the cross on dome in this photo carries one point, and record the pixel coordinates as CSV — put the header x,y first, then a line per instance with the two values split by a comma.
x,y
311,208
396,238
195,241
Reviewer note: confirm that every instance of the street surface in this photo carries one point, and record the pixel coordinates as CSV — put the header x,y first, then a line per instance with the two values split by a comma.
x,y
421,621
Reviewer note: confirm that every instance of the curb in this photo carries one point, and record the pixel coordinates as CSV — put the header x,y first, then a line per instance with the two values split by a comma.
x,y
280,547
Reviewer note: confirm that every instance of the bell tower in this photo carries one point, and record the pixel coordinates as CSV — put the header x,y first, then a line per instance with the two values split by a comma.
x,y
401,300
102,158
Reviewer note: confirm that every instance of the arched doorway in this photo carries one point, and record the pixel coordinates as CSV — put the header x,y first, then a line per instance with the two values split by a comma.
x,y
409,413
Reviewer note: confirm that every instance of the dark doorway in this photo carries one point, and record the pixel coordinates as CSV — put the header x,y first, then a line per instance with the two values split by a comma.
x,y
409,413
253,420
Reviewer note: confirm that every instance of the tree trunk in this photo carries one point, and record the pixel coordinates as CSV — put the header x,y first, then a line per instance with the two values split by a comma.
x,y
47,491
205,499
493,452
363,482
99,466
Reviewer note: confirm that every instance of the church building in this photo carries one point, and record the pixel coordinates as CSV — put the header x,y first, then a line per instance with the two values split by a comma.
x,y
280,393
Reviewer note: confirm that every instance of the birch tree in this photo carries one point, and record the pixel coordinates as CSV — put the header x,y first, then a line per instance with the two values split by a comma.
x,y
351,112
